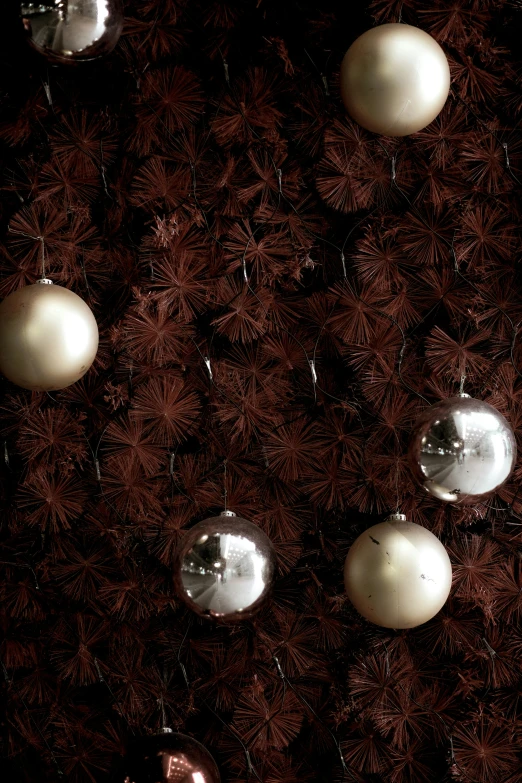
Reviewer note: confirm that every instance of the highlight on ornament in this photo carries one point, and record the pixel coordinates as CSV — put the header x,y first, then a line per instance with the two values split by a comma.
x,y
395,79
48,337
462,450
73,30
225,567
167,757
397,574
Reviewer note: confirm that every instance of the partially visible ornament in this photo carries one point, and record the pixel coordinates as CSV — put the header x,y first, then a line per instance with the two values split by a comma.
x,y
462,450
225,567
48,337
169,757
395,79
397,574
73,30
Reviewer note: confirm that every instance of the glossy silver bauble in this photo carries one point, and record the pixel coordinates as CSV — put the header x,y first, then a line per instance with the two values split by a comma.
x,y
73,30
225,567
169,757
462,450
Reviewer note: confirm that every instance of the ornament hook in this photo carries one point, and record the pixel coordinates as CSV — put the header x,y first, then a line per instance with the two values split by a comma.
x,y
462,393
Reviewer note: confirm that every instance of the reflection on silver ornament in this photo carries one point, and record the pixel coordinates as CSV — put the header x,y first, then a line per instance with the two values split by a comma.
x,y
397,574
73,30
462,450
225,567
48,337
395,79
169,757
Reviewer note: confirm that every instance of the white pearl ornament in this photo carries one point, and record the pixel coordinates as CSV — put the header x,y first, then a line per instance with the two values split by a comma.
x,y
397,574
395,79
48,337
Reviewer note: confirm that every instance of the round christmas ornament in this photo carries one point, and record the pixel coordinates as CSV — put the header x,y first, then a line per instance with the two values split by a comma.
x,y
169,757
225,567
462,450
395,79
73,30
48,337
397,574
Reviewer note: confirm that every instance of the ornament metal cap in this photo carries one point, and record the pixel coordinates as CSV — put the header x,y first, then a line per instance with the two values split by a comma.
x,y
44,281
228,514
166,730
463,394
396,517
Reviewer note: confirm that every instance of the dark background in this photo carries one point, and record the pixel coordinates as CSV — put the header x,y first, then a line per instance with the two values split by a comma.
x,y
152,176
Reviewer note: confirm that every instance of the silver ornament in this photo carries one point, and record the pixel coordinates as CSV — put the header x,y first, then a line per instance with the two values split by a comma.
x,y
397,574
462,450
225,567
73,30
169,757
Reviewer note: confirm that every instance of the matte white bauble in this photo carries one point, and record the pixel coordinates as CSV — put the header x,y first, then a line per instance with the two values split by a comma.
x,y
395,79
48,337
397,574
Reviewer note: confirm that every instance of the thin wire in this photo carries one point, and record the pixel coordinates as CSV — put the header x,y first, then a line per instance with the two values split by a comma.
x,y
42,736
37,239
458,273
43,256
242,257
345,768
103,681
225,493
324,80
493,133
101,678
449,737
382,313
493,656
251,770
310,362
397,496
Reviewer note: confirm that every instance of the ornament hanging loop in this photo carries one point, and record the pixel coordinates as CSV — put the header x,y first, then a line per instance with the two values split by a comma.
x,y
225,493
164,728
462,393
42,246
397,504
